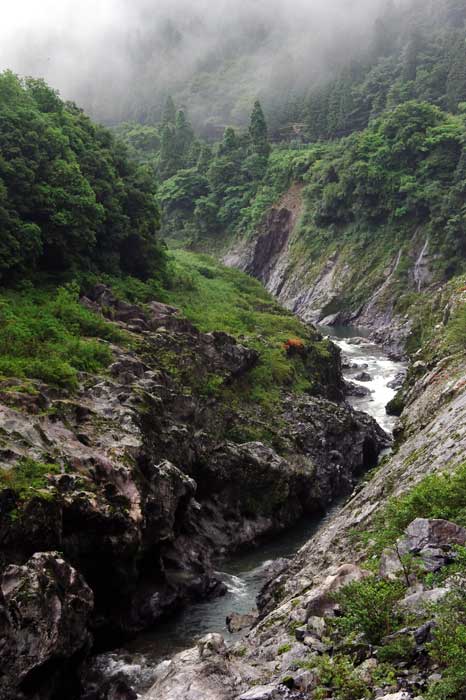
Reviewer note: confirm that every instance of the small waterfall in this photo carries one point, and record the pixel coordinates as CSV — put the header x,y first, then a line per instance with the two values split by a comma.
x,y
419,267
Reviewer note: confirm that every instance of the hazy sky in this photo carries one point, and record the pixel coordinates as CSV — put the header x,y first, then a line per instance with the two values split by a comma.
x,y
97,52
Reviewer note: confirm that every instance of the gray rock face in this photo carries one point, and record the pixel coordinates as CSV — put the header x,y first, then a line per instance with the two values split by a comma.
x,y
419,601
237,622
45,610
157,476
423,533
262,692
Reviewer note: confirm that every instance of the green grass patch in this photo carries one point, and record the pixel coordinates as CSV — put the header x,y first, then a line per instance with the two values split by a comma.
x,y
27,477
216,298
48,335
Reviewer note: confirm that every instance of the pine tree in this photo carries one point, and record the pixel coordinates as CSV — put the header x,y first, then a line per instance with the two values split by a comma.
x,y
205,159
169,112
168,161
184,137
258,132
229,143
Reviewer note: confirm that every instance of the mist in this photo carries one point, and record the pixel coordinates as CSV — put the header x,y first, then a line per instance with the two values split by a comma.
x,y
119,59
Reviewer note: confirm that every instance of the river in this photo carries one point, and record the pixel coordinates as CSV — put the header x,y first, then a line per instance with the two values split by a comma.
x,y
245,574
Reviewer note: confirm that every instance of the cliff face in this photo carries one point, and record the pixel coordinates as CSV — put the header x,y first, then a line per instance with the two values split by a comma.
x,y
135,483
317,283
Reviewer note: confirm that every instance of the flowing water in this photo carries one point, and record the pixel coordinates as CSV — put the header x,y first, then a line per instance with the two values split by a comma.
x,y
245,574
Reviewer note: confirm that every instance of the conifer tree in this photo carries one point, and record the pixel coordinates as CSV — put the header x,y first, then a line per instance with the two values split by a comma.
x,y
229,143
169,112
258,132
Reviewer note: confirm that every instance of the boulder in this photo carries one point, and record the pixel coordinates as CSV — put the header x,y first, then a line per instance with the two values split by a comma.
x,y
363,377
320,601
420,600
237,622
422,533
356,390
45,607
211,645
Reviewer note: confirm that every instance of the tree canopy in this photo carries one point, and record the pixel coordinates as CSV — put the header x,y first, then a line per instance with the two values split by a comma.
x,y
70,199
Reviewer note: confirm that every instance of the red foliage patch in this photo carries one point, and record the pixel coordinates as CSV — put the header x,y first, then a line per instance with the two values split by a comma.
x,y
293,345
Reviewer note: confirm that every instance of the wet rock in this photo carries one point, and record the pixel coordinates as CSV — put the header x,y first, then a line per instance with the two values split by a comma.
x,y
363,377
45,610
357,390
237,622
398,381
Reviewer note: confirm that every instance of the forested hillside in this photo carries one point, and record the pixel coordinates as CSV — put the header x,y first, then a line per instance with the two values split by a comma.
x,y
70,199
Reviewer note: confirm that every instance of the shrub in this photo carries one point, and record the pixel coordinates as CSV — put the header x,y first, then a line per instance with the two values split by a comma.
x,y
338,675
48,335
437,496
368,606
449,648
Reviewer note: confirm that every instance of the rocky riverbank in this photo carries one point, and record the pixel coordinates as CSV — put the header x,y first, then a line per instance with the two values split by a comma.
x,y
125,491
298,648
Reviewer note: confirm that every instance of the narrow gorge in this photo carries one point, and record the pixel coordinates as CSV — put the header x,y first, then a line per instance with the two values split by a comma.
x,y
233,350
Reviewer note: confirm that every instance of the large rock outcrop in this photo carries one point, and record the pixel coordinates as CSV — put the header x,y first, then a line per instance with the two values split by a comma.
x,y
45,610
152,477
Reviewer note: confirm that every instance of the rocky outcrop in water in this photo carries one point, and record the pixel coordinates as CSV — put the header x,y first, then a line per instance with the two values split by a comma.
x,y
151,481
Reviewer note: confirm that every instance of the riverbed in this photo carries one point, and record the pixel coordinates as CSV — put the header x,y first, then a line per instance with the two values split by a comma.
x,y
245,574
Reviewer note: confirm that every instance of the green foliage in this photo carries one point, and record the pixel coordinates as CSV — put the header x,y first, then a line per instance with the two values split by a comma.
x,y
368,606
338,675
48,335
215,298
283,649
437,496
27,477
449,648
401,648
69,197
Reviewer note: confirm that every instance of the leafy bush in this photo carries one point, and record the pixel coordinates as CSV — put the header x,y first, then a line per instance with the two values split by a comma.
x,y
338,675
449,648
368,606
436,496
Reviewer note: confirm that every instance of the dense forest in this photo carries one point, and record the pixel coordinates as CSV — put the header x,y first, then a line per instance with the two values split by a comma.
x,y
70,198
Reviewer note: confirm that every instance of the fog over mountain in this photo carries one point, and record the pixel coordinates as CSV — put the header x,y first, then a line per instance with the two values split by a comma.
x,y
120,58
